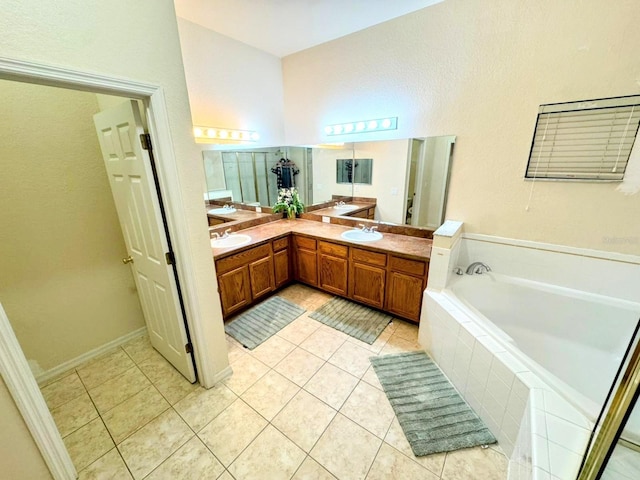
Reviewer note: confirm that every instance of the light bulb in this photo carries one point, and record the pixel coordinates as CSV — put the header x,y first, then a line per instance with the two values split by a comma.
x,y
235,135
386,123
337,129
211,133
197,132
328,129
245,136
372,125
348,128
224,134
255,136
360,126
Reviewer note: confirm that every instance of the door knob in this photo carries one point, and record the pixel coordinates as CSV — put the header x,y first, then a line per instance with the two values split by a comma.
x,y
129,259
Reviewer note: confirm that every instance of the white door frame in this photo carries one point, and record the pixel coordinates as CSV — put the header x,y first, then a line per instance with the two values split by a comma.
x,y
13,366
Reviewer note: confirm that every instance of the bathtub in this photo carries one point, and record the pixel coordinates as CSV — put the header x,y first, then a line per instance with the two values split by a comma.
x,y
574,341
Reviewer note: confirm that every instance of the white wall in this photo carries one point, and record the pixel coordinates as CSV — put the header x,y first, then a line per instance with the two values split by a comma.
x,y
479,70
231,84
63,284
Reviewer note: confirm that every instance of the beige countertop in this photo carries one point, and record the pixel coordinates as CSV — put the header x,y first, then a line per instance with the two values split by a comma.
x,y
334,212
389,243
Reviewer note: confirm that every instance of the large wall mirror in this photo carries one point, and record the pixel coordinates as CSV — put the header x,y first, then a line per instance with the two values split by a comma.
x,y
408,177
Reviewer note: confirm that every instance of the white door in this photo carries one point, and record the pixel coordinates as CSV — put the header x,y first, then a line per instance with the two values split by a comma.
x,y
132,184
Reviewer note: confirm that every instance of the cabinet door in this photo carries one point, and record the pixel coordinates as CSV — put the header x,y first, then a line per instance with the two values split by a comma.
x,y
261,275
404,295
281,267
333,274
307,266
367,284
235,293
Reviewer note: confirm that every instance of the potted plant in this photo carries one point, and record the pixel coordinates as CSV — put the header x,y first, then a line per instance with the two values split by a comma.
x,y
288,202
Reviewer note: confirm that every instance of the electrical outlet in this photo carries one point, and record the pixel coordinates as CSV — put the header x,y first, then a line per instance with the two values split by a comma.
x,y
258,209
326,219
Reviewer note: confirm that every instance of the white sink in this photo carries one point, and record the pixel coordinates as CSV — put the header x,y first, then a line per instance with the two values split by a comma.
x,y
360,236
233,240
346,207
222,211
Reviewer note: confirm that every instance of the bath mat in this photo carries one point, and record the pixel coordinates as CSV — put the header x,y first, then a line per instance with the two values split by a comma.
x,y
261,322
353,319
433,416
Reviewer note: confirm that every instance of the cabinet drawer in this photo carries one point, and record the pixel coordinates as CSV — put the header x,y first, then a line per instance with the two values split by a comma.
x,y
280,244
365,256
304,242
413,267
333,249
247,256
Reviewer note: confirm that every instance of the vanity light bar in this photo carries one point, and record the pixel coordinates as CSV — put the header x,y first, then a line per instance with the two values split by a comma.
x,y
226,134
362,126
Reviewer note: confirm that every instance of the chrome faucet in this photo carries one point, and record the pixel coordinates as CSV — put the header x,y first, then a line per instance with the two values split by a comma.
x,y
340,204
226,233
478,267
216,235
366,229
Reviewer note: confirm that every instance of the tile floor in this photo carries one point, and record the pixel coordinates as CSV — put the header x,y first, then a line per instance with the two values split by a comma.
x,y
305,404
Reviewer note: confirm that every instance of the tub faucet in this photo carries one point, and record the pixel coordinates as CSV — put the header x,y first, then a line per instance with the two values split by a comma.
x,y
478,267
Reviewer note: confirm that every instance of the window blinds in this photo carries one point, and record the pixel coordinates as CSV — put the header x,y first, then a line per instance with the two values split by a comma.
x,y
589,140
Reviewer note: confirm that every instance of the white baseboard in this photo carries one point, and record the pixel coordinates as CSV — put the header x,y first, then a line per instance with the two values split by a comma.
x,y
223,375
96,352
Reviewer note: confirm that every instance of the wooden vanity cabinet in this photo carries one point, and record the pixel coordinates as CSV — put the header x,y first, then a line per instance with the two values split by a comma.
x,y
306,262
406,281
367,277
333,267
281,264
245,277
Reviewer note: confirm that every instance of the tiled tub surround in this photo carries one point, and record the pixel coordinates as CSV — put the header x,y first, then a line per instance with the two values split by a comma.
x,y
541,429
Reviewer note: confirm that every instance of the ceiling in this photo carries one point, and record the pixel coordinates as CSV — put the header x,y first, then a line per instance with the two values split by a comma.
x,y
283,27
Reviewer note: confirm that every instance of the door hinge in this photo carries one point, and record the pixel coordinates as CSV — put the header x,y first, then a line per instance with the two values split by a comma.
x,y
171,260
188,348
145,140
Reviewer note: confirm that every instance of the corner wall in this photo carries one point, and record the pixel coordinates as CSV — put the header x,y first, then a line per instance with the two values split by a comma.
x,y
479,70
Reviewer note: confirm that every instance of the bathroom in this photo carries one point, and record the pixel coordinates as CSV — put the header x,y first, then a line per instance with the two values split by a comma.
x,y
481,81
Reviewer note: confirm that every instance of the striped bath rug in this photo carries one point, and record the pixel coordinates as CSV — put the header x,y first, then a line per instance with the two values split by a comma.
x,y
354,319
433,416
261,322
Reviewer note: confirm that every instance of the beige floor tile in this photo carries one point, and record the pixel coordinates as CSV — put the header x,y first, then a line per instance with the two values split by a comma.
x,y
396,438
273,350
63,390
225,476
55,378
192,461
169,382
106,367
345,449
234,349
229,433
202,405
312,470
88,443
246,371
74,414
407,331
115,391
154,443
139,349
377,345
304,419
134,413
369,408
473,463
109,466
397,344
299,330
270,394
352,358
322,343
372,379
390,464
271,456
299,366
331,385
